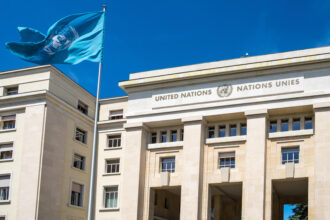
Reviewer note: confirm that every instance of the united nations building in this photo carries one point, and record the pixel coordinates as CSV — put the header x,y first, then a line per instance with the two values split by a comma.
x,y
233,139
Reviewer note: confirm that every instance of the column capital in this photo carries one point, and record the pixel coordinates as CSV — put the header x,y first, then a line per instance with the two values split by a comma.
x,y
195,119
256,112
321,105
136,125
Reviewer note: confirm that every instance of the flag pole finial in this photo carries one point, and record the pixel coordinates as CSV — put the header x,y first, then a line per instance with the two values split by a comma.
x,y
104,7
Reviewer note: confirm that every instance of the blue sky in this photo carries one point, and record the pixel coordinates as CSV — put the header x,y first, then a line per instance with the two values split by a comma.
x,y
147,35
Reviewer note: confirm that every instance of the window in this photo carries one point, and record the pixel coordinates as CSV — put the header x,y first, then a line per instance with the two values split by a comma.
x,y
81,135
273,126
77,194
163,136
3,218
11,90
222,131
296,124
168,164
82,107
114,141
4,187
8,122
308,123
112,166
79,162
284,125
227,160
290,155
6,151
174,135
116,114
243,129
182,134
111,197
211,132
154,137
233,130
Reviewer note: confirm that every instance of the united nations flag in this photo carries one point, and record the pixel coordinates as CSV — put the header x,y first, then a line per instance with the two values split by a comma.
x,y
72,39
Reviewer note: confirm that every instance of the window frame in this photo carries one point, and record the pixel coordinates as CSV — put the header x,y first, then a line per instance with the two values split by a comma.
x,y
152,136
84,141
113,164
83,162
10,87
283,162
12,120
230,153
114,138
211,131
12,150
116,116
82,107
82,194
104,196
171,170
9,186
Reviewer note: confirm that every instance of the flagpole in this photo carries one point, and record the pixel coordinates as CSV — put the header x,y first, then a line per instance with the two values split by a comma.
x,y
95,135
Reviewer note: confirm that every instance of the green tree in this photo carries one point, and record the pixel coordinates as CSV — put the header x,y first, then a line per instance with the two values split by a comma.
x,y
300,212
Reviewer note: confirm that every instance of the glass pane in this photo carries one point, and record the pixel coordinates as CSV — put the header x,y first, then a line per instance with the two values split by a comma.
x,y
296,124
243,129
284,125
308,123
222,131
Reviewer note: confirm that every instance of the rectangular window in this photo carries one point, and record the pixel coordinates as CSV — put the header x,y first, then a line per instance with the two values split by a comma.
x,y
227,160
81,135
112,166
284,125
2,218
116,114
182,134
114,141
8,122
163,136
79,162
111,197
6,151
77,194
11,90
4,187
168,164
222,131
243,129
273,126
233,130
174,135
296,124
290,155
82,107
211,131
308,123
154,137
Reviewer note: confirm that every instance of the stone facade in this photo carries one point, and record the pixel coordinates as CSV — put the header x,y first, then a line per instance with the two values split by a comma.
x,y
233,139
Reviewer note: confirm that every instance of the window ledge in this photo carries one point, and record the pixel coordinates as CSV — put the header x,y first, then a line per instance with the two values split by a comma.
x,y
79,170
291,133
225,139
109,209
75,206
6,160
80,143
111,174
113,148
7,130
112,121
165,145
4,201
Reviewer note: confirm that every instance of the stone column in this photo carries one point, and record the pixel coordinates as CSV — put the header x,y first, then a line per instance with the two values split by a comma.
x,y
132,190
255,170
321,162
192,177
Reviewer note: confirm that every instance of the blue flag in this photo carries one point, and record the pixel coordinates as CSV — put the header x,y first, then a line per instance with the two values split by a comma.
x,y
72,39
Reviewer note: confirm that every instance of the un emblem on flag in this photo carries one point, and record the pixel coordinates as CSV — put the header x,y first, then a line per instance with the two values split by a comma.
x,y
224,90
